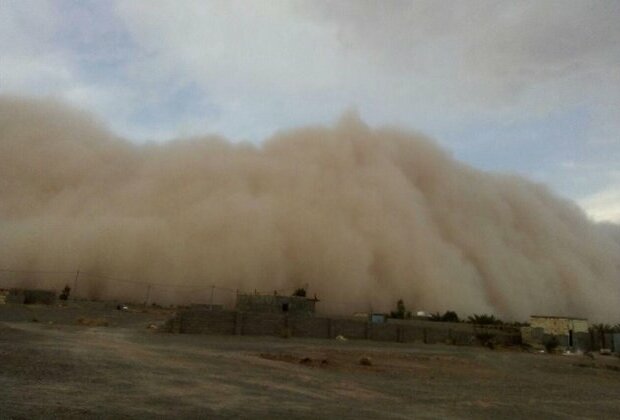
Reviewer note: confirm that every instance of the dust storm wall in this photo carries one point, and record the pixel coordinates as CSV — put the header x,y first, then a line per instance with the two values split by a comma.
x,y
363,216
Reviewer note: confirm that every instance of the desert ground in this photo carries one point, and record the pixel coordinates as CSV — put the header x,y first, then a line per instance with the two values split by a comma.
x,y
90,360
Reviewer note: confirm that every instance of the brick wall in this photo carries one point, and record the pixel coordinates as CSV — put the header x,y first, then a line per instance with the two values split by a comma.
x,y
200,321
384,332
206,322
310,327
295,305
350,328
262,324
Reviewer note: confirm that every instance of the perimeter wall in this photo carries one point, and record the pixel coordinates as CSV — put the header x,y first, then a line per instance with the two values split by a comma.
x,y
200,321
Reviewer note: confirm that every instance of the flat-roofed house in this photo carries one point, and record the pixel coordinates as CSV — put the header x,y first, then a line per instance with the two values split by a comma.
x,y
569,333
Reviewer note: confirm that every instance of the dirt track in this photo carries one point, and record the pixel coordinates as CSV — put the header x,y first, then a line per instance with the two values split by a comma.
x,y
70,371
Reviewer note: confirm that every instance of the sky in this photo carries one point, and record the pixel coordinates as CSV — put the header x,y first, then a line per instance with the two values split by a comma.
x,y
528,87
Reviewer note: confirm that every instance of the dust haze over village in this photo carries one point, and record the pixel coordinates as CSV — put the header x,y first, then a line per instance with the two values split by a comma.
x,y
316,172
309,209
362,216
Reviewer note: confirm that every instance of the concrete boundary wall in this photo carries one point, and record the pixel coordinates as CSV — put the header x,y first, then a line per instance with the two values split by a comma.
x,y
207,322
201,321
266,324
350,328
310,327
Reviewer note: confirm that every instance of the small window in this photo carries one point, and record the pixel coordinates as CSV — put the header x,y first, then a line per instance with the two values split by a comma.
x,y
285,307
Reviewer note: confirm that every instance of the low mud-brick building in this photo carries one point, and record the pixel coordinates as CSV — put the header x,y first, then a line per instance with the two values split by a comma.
x,y
28,296
568,333
292,305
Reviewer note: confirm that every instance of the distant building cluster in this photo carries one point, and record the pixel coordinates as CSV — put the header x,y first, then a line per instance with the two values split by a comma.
x,y
294,305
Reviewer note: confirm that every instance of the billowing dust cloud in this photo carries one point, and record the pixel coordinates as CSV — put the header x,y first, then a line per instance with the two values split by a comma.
x,y
361,216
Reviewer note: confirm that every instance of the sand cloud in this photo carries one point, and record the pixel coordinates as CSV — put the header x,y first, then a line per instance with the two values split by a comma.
x,y
363,216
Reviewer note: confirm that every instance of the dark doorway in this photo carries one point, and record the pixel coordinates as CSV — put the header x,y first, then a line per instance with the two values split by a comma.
x,y
570,338
285,307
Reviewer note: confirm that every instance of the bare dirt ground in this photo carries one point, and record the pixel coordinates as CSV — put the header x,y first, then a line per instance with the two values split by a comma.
x,y
57,368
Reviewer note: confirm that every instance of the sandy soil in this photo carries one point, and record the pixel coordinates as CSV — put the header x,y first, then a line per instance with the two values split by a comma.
x,y
126,370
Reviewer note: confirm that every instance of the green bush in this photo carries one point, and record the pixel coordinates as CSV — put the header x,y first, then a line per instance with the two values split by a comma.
x,y
401,312
484,319
448,316
65,293
301,292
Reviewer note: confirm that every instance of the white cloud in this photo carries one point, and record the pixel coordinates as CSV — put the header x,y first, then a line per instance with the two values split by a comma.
x,y
604,205
28,64
418,62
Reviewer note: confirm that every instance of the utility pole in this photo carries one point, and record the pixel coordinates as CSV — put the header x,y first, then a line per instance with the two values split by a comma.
x,y
148,295
75,282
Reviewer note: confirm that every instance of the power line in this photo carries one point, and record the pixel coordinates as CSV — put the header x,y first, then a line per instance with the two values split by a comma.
x,y
5,270
188,287
86,275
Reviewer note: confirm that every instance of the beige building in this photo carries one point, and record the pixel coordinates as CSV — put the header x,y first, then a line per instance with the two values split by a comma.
x,y
557,325
570,333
